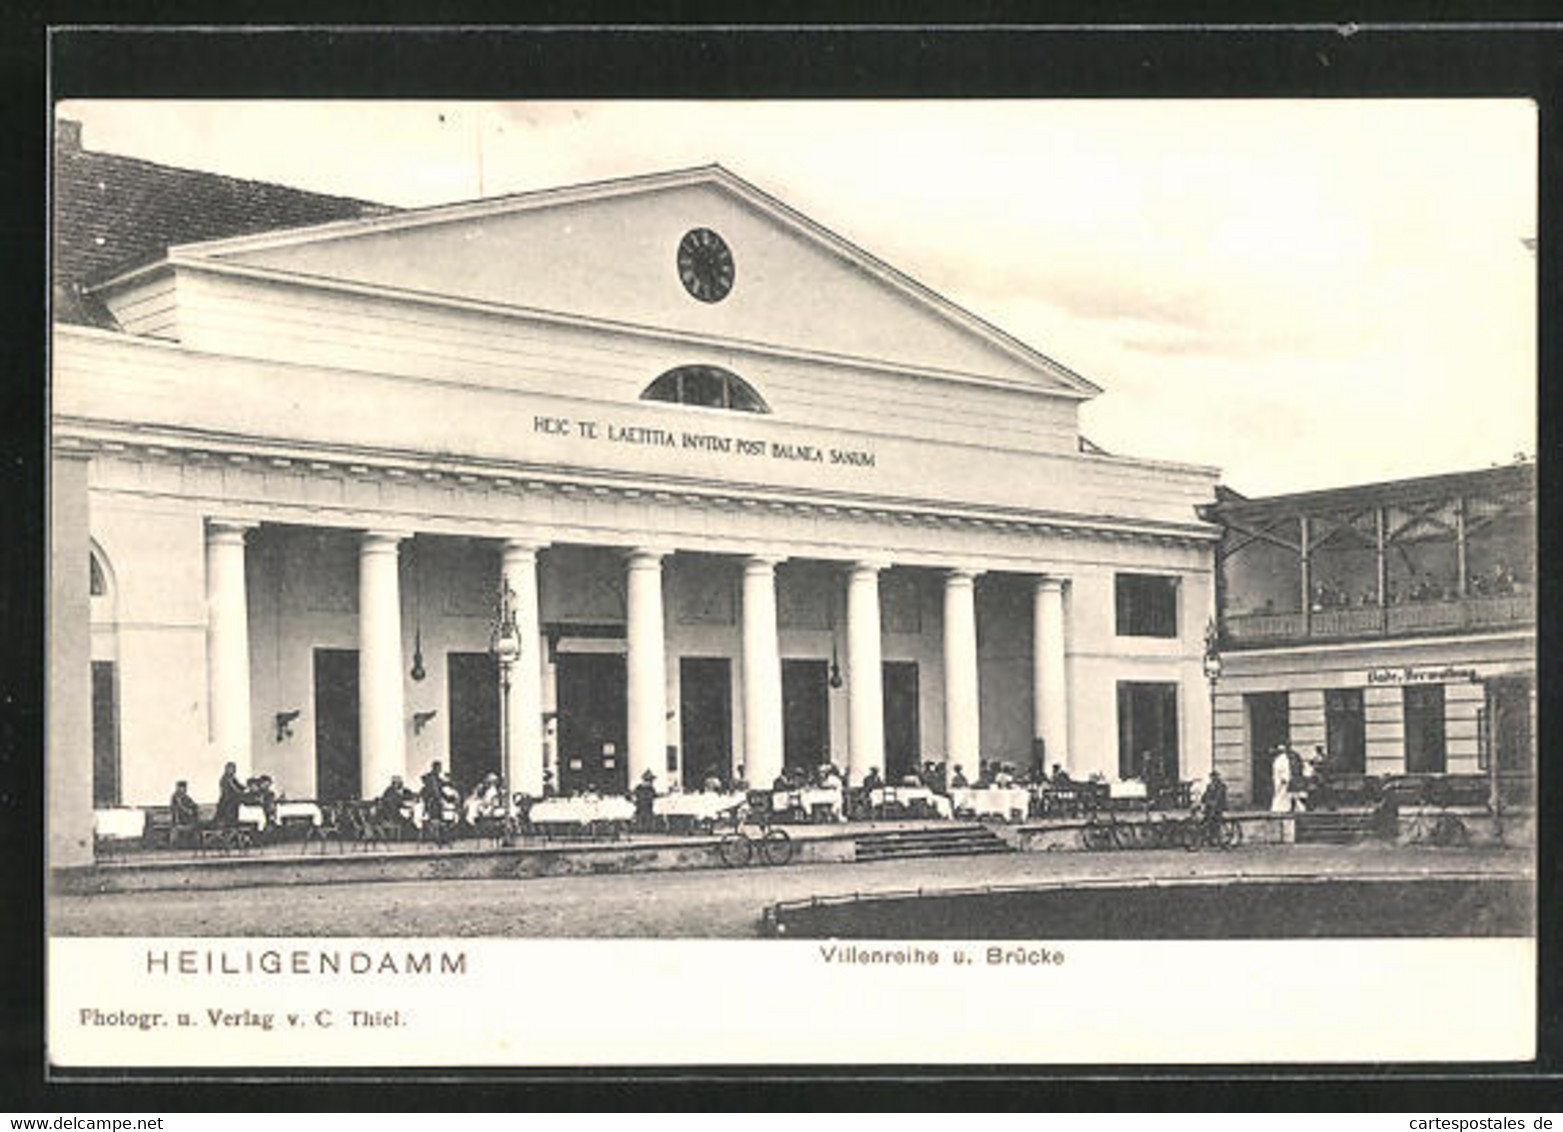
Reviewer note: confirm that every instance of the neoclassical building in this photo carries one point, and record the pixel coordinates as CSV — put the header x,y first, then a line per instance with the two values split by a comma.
x,y
759,497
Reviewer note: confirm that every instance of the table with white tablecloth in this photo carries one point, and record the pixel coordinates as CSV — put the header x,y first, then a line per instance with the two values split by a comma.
x,y
298,812
1130,788
996,801
698,807
581,811
806,799
120,824
910,795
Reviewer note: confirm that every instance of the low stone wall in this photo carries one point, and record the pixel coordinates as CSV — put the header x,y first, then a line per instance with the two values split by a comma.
x,y
351,867
1052,837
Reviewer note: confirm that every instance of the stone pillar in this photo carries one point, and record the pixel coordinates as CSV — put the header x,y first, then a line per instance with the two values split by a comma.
x,y
763,750
227,643
69,734
962,744
1050,697
865,676
381,724
647,667
523,760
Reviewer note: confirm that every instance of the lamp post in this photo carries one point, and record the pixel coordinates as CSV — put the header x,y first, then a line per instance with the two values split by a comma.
x,y
504,645
1212,666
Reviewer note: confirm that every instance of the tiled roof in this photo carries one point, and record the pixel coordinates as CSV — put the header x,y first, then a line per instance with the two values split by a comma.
x,y
113,212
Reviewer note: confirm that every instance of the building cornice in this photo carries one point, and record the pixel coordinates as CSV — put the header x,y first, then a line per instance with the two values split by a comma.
x,y
190,446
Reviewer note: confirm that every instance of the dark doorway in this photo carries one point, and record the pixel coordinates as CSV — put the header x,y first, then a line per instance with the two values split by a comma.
x,y
805,713
336,727
1424,720
705,719
1508,707
1345,733
593,723
1148,731
472,680
105,734
1269,724
903,735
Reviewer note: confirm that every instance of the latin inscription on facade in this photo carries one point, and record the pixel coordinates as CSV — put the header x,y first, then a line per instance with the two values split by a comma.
x,y
739,447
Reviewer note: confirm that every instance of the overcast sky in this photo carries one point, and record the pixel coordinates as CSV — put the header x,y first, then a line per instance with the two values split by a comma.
x,y
1304,294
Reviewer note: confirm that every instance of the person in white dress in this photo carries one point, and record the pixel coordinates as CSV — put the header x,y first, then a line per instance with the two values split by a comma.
x,y
1281,782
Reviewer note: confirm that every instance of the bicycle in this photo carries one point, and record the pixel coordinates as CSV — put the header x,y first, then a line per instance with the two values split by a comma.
x,y
1443,830
737,847
1110,834
1200,832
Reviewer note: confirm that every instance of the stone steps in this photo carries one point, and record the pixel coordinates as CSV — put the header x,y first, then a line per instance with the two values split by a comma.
x,y
1333,829
959,841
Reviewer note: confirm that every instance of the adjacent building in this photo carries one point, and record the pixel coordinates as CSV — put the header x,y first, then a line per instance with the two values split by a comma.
x,y
754,496
1392,624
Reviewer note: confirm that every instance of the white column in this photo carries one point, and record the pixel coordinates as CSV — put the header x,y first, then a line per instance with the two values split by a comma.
x,y
763,752
1050,698
523,759
647,665
865,677
381,720
962,745
227,643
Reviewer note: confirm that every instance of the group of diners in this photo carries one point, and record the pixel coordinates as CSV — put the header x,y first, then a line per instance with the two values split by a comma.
x,y
1499,581
439,811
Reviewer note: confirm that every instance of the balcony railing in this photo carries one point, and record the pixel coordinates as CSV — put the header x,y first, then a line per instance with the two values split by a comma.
x,y
1366,621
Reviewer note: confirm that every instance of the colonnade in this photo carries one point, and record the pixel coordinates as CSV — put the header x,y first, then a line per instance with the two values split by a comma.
x,y
380,660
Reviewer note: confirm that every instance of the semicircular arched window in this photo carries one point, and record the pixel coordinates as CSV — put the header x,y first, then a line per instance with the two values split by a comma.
x,y
711,387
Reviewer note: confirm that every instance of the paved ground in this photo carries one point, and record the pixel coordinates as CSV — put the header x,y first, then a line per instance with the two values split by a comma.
x,y
702,903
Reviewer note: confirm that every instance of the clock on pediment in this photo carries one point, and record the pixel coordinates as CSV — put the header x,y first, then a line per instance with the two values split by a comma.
x,y
705,265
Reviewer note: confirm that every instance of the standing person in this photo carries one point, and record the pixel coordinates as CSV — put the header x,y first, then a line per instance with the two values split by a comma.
x,y
230,793
645,801
1281,782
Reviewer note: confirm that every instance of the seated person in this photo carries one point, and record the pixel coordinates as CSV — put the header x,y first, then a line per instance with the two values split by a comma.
x,y
550,788
911,780
782,783
1060,779
872,781
258,791
1004,777
486,801
711,785
395,805
958,779
183,813
740,780
830,778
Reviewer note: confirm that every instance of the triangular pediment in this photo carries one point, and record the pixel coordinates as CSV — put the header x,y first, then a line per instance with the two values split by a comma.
x,y
609,252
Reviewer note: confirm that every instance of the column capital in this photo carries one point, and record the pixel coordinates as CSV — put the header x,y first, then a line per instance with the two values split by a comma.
x,y
380,539
765,562
868,566
645,557
522,547
223,529
1050,583
962,575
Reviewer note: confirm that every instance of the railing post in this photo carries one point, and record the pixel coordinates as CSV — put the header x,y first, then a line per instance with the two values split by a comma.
x,y
1380,521
1305,570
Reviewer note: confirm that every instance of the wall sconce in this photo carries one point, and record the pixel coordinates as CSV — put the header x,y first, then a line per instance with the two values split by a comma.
x,y
420,720
284,723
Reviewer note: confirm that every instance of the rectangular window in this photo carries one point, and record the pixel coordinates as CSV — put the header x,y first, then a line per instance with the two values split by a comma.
x,y
1425,729
1148,731
1344,733
105,735
1147,605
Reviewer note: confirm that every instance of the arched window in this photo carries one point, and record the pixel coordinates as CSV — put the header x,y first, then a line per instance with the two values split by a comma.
x,y
710,386
96,586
